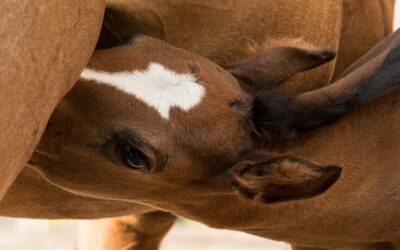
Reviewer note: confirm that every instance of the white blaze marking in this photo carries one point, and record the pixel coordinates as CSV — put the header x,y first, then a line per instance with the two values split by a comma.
x,y
157,86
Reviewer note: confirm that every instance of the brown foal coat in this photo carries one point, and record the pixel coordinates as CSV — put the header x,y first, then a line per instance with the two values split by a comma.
x,y
200,147
365,29
21,123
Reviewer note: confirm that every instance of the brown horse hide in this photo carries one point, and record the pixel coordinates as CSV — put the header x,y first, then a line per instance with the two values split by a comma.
x,y
111,147
228,31
44,46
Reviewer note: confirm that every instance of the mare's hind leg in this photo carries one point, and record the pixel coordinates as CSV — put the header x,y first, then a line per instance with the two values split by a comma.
x,y
133,232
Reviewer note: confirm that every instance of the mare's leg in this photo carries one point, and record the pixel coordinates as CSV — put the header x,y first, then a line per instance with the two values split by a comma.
x,y
134,232
44,46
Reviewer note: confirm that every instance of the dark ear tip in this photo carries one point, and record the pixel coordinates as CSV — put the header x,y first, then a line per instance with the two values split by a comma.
x,y
328,54
334,172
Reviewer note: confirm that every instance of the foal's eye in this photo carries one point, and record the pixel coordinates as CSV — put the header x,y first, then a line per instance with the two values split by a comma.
x,y
132,157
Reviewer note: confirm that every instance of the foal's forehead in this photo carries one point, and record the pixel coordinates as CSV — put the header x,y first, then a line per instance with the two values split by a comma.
x,y
194,102
157,86
154,83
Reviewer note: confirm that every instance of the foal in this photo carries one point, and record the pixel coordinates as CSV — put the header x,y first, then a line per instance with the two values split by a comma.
x,y
109,140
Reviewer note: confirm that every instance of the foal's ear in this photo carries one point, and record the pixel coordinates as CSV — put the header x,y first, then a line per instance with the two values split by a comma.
x,y
273,67
282,178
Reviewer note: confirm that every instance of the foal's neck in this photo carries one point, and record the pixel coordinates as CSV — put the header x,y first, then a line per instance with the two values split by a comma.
x,y
368,133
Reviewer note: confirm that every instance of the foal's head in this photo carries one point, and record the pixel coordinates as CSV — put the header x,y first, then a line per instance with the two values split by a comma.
x,y
152,123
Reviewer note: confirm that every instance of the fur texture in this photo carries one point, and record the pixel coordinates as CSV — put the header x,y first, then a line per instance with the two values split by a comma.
x,y
79,155
282,117
45,45
268,179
